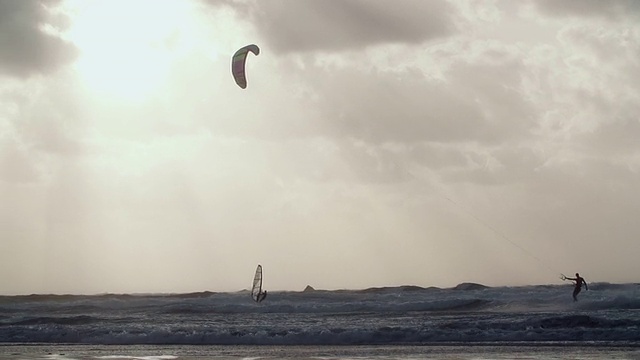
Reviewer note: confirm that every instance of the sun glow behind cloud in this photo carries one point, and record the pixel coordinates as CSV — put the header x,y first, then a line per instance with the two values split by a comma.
x,y
127,148
128,48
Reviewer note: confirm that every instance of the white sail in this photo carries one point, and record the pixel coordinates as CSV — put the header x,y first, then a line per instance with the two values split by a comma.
x,y
256,288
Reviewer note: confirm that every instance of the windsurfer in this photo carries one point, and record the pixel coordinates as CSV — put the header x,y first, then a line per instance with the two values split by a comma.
x,y
262,296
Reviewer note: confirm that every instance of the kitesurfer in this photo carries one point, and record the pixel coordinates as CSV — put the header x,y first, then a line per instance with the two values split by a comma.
x,y
578,287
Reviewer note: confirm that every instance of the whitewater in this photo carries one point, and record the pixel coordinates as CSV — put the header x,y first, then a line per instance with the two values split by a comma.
x,y
405,317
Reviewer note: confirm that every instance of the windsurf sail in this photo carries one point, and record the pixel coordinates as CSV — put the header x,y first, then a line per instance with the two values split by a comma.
x,y
256,288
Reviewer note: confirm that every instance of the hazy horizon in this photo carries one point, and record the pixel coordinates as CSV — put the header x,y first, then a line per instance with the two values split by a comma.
x,y
568,285
378,143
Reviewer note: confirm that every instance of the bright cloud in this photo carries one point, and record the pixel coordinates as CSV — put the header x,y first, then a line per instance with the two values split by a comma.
x,y
378,143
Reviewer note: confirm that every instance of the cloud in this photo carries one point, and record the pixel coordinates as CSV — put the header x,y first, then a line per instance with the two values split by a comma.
x,y
387,119
587,8
25,47
591,90
15,162
39,125
352,146
309,25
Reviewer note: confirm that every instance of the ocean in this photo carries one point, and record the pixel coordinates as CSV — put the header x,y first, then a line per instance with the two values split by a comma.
x,y
407,322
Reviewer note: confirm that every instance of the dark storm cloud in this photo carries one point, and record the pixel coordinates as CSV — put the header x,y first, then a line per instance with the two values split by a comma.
x,y
25,49
311,25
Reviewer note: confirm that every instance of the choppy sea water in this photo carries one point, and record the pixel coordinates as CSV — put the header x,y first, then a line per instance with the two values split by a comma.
x,y
467,322
324,352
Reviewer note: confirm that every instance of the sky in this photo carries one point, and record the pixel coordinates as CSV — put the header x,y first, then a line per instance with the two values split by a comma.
x,y
378,143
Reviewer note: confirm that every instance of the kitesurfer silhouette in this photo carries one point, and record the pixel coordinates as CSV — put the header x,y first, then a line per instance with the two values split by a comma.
x,y
578,287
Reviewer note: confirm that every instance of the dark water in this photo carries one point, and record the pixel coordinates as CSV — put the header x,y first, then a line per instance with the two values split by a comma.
x,y
237,352
608,316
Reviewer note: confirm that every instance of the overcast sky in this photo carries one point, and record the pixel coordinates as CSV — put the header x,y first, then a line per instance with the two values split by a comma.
x,y
378,143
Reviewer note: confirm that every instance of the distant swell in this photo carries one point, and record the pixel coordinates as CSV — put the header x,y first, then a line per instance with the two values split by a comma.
x,y
619,302
453,305
470,313
331,335
73,320
585,321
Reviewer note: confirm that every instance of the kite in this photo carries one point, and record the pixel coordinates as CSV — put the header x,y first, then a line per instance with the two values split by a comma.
x,y
238,64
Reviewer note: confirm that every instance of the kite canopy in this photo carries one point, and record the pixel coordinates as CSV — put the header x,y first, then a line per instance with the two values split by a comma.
x,y
238,64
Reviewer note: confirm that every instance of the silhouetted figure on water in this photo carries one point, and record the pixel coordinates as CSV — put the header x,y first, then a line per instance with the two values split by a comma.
x,y
578,287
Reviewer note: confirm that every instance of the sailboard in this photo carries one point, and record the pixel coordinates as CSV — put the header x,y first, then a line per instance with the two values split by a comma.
x,y
256,287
